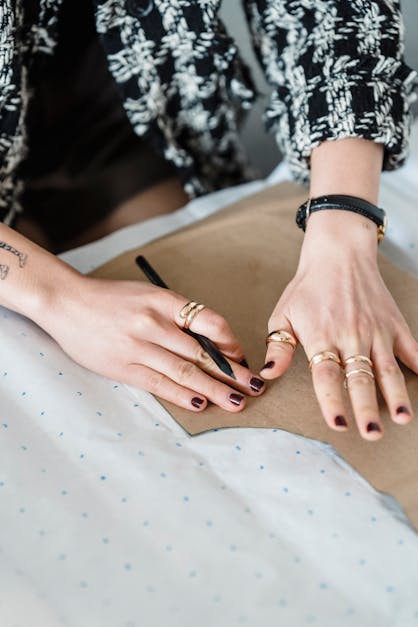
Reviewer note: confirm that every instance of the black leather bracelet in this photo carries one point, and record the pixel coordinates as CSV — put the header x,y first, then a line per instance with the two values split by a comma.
x,y
346,203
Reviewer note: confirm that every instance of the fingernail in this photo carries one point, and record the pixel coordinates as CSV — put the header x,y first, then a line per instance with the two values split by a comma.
x,y
269,364
244,363
256,384
340,421
197,402
403,410
236,399
373,426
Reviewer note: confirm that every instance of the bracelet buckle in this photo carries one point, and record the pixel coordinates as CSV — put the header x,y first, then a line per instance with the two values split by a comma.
x,y
381,230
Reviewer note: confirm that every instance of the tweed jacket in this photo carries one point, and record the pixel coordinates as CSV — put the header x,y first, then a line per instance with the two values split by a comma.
x,y
336,69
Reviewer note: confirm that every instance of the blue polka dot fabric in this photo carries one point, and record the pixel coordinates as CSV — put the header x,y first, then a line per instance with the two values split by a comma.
x,y
112,516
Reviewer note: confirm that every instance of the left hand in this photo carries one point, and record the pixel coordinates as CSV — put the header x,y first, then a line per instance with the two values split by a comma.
x,y
338,301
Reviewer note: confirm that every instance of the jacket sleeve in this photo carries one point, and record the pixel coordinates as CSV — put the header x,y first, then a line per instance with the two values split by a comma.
x,y
337,70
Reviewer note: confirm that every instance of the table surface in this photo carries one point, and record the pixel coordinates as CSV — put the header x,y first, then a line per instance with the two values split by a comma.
x,y
112,516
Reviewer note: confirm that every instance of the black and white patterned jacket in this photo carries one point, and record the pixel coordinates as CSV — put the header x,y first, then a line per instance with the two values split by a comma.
x,y
335,66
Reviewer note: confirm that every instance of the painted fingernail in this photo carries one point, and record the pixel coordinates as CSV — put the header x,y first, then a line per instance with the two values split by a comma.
x,y
403,410
373,426
197,402
236,399
244,363
340,421
268,365
256,384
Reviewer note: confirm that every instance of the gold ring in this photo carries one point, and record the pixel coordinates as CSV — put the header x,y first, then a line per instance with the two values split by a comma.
x,y
281,336
189,312
322,356
362,358
357,371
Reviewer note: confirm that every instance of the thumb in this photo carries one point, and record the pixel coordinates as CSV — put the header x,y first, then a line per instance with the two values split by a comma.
x,y
280,347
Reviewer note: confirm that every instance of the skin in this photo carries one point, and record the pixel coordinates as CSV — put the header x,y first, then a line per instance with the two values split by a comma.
x,y
337,300
140,340
141,343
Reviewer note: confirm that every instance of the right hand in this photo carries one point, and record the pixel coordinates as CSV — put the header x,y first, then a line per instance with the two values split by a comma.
x,y
131,332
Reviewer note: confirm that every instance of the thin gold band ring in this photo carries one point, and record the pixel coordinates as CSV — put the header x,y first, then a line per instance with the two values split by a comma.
x,y
323,356
189,312
281,336
361,358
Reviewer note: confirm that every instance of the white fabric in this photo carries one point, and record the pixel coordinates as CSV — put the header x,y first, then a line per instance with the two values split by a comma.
x,y
112,516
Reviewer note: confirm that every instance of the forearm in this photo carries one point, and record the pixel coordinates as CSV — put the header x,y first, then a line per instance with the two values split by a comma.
x,y
31,278
347,166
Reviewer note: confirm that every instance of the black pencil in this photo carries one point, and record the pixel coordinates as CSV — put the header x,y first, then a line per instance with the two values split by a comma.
x,y
207,344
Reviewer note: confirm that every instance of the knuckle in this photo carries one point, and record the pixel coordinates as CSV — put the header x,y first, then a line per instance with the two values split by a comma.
x,y
218,392
388,367
202,357
155,383
360,379
179,397
327,371
219,325
146,320
186,371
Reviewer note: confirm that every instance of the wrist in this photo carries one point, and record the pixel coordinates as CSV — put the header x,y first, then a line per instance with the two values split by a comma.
x,y
339,234
349,166
40,296
56,294
35,283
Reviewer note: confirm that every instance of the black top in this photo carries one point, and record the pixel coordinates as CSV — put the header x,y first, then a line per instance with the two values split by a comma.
x,y
84,157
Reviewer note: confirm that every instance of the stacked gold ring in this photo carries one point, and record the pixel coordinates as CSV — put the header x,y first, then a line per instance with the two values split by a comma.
x,y
363,359
323,356
281,336
189,312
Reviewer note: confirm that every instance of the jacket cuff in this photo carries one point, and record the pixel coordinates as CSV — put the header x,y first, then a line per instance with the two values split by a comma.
x,y
372,102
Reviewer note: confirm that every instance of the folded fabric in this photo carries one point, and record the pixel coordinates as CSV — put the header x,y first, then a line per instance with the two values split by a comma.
x,y
238,262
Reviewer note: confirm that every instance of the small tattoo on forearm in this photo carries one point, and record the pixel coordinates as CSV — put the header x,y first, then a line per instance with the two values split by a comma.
x,y
10,249
3,271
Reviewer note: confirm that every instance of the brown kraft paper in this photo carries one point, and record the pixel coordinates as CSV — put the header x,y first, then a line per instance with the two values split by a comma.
x,y
238,262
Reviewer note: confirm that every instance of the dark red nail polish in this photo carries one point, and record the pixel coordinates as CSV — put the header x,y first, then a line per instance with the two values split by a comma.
x,y
268,365
256,384
373,426
340,421
244,363
403,410
197,402
236,399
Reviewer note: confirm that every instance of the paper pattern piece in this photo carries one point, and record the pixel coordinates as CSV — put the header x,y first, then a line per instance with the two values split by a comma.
x,y
238,262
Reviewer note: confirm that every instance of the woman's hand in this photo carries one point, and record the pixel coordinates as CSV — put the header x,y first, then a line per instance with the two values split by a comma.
x,y
132,332
338,302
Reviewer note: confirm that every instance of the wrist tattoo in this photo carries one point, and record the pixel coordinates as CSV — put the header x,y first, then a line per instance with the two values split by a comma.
x,y
3,271
10,249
